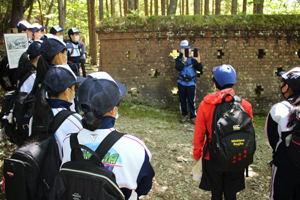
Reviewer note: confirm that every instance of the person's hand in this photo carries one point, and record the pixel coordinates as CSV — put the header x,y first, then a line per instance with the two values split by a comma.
x,y
184,58
196,160
198,58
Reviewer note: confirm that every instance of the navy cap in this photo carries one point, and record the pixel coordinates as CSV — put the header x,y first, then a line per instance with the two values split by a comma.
x,y
23,26
34,49
52,45
292,78
100,92
60,78
72,31
56,29
224,74
37,27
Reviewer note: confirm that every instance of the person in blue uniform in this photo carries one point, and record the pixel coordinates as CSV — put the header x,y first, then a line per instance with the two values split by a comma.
x,y
188,67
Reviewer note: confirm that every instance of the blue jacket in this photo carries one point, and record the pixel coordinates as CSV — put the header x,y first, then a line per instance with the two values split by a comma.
x,y
188,70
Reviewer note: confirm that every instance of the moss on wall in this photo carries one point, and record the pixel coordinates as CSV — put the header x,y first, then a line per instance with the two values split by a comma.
x,y
143,22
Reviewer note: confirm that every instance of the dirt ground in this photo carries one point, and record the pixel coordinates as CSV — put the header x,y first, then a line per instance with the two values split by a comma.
x,y
171,145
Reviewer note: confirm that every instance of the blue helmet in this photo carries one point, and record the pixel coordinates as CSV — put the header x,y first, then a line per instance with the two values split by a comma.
x,y
184,44
224,74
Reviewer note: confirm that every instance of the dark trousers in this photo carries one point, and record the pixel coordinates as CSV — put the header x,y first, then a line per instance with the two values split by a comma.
x,y
189,93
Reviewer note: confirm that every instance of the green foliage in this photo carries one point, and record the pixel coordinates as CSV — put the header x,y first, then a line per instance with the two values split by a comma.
x,y
259,118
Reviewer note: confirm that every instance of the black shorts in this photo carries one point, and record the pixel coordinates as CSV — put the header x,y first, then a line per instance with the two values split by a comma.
x,y
213,180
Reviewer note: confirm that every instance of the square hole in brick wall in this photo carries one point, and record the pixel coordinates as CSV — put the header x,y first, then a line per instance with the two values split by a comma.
x,y
298,53
258,89
261,53
220,54
279,69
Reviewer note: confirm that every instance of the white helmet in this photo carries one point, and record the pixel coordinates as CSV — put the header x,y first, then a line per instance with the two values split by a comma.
x,y
184,44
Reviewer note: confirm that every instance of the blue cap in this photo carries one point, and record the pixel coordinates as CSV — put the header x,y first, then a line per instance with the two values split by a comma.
x,y
60,78
185,44
34,49
52,45
37,27
100,92
224,74
56,29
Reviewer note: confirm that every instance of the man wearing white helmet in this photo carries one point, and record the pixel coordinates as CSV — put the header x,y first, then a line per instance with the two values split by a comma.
x,y
188,67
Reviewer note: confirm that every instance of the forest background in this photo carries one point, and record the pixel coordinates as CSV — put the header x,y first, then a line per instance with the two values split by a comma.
x,y
86,14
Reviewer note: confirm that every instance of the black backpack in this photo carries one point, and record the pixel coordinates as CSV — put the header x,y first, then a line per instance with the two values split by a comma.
x,y
17,109
7,76
87,179
233,137
30,172
293,140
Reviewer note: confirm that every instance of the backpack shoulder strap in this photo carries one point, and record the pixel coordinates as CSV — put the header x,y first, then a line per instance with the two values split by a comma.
x,y
58,120
106,144
287,104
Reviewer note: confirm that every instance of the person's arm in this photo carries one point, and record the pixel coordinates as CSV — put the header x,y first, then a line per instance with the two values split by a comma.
x,y
199,134
144,180
197,64
179,65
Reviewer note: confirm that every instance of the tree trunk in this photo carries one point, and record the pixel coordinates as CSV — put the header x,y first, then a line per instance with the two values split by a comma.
x,y
201,7
112,6
49,11
187,7
213,11
151,6
245,6
218,6
92,31
146,7
260,7
107,10
254,8
167,1
120,5
125,7
182,7
101,10
172,7
196,7
130,5
206,9
136,5
163,7
41,13
61,14
16,12
156,7
234,7
29,14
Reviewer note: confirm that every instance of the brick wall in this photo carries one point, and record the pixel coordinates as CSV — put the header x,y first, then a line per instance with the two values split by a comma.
x,y
139,57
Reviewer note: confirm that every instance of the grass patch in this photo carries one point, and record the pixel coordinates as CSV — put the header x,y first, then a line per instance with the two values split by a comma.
x,y
259,118
131,110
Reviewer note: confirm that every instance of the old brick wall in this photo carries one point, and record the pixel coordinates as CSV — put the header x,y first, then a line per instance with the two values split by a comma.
x,y
140,59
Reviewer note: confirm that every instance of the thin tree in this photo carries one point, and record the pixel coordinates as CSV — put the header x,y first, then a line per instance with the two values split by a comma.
x,y
136,5
167,2
61,13
187,7
146,7
234,7
245,6
196,7
163,7
254,8
218,7
182,7
260,7
101,10
125,7
112,7
41,13
49,11
156,7
213,7
151,7
92,31
130,5
172,7
206,8
29,13
107,11
201,7
120,6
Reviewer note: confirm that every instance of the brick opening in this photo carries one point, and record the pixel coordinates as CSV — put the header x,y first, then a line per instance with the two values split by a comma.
x,y
220,54
298,53
131,55
174,53
174,91
154,73
261,53
258,89
279,69
133,92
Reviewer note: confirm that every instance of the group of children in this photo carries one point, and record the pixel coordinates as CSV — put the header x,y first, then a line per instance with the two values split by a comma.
x,y
53,79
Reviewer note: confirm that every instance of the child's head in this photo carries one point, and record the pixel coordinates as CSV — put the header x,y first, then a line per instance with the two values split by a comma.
x,y
224,76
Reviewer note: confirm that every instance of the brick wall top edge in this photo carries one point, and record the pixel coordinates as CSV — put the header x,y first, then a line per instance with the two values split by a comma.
x,y
213,22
